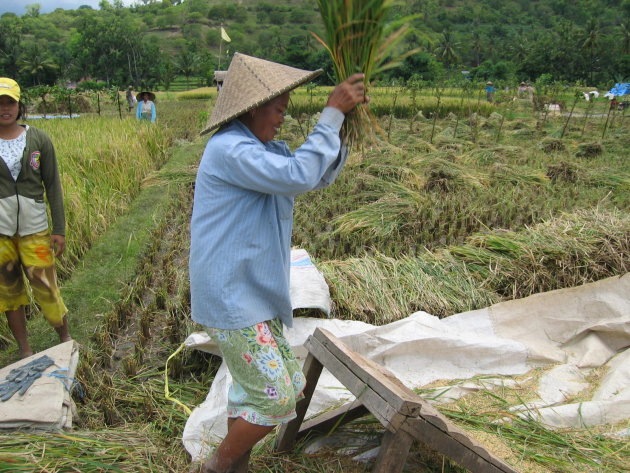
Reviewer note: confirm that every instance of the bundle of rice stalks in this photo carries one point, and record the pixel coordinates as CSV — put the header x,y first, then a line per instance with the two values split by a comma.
x,y
568,251
518,125
379,289
444,176
550,145
358,39
563,171
524,132
523,441
608,178
385,217
589,150
396,173
87,452
518,175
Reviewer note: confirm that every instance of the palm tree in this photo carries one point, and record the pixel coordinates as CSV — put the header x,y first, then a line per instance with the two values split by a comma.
x,y
592,36
36,62
476,44
446,49
187,64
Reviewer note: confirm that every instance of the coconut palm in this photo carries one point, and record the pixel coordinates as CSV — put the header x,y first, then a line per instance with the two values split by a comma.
x,y
35,62
187,64
592,37
476,44
446,49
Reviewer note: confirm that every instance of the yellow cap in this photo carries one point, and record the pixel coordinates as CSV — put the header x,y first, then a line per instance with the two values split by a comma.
x,y
10,87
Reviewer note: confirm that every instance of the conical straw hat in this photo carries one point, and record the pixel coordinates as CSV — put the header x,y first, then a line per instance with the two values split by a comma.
x,y
251,82
151,96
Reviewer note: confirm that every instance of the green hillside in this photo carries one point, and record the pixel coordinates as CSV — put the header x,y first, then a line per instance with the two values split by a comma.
x,y
581,41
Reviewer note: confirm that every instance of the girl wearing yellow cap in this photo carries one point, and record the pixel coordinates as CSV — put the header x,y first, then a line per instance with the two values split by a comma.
x,y
28,171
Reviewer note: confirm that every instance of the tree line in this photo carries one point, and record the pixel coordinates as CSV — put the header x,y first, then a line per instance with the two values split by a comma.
x,y
153,43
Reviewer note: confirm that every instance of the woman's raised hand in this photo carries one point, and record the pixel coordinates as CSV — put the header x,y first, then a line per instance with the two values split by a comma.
x,y
348,94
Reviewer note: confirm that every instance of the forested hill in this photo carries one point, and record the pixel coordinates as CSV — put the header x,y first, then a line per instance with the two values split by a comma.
x,y
577,41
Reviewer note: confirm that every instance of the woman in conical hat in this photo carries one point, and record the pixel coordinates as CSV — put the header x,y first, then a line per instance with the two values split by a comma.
x,y
241,237
146,106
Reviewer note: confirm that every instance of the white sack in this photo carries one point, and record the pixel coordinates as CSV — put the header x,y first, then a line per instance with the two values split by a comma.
x,y
308,288
47,405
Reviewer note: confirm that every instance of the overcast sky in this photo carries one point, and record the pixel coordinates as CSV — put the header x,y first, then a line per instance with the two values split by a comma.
x,y
19,6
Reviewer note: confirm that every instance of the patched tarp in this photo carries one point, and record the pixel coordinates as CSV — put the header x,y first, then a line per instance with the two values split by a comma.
x,y
569,332
47,403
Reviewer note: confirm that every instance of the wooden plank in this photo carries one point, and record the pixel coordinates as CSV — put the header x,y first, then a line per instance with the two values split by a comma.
x,y
388,400
393,453
326,422
457,446
401,398
377,405
287,433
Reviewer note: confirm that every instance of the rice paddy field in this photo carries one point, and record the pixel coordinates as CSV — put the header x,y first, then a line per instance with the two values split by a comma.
x,y
452,204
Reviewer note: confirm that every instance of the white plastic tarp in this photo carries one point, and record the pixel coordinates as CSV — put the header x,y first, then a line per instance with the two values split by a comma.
x,y
570,330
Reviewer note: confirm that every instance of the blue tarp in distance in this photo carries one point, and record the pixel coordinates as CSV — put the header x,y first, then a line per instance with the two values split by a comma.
x,y
620,89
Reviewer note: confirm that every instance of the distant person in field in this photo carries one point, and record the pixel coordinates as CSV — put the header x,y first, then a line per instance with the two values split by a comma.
x,y
241,238
525,91
28,248
145,109
131,98
490,90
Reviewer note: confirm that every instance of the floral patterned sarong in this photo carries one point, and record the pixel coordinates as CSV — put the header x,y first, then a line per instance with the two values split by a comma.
x,y
267,378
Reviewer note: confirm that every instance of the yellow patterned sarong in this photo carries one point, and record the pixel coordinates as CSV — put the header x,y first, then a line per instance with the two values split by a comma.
x,y
32,257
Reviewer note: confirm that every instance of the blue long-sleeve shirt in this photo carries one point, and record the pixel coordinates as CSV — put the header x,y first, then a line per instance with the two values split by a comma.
x,y
139,111
243,217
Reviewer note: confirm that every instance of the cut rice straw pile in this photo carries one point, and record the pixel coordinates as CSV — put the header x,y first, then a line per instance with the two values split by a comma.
x,y
499,265
85,452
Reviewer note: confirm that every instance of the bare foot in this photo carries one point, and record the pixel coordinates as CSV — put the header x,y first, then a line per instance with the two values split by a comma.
x,y
63,332
200,468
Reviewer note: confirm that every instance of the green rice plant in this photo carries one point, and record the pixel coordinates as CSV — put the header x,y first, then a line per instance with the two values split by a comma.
x,y
382,103
358,39
102,162
203,93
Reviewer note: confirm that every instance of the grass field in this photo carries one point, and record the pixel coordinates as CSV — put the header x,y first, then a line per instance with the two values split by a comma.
x,y
442,212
